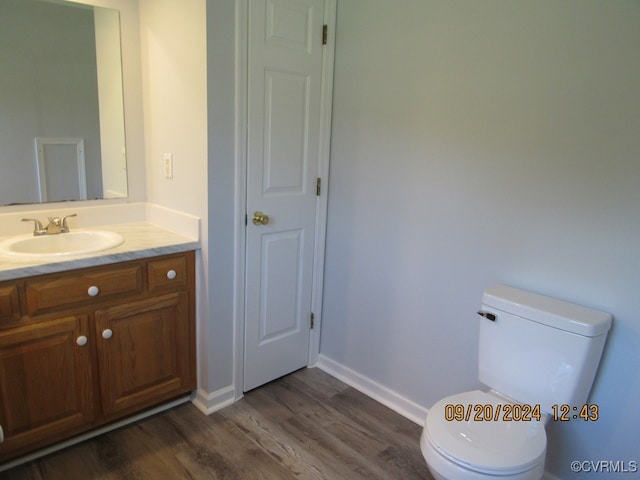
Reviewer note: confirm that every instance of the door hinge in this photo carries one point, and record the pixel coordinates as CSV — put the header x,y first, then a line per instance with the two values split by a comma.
x,y
312,320
318,186
325,34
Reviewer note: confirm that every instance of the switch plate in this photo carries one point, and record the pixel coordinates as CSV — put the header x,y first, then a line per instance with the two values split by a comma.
x,y
168,165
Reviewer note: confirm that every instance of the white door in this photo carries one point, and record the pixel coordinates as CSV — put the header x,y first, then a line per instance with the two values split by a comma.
x,y
284,94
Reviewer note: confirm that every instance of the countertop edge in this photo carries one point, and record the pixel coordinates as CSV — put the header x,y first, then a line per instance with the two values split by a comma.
x,y
176,244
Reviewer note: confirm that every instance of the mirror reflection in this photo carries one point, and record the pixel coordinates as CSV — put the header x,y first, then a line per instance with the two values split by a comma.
x,y
61,103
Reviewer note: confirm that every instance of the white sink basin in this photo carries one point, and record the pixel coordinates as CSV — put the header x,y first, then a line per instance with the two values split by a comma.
x,y
71,243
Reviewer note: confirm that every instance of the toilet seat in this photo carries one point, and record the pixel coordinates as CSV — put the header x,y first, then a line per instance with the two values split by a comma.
x,y
490,447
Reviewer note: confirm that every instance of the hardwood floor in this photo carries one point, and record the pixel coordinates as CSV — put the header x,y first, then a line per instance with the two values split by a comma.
x,y
307,425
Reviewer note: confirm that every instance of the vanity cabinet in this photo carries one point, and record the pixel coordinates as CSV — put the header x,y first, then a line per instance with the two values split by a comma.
x,y
83,348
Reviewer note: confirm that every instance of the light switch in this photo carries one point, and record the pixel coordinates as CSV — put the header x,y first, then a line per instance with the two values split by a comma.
x,y
168,165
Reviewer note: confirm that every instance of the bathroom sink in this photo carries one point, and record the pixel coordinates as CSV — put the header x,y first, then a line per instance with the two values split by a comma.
x,y
70,243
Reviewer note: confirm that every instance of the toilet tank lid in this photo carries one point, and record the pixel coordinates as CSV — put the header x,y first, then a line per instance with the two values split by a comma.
x,y
549,311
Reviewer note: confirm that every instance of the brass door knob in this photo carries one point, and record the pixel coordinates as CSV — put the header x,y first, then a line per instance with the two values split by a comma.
x,y
260,218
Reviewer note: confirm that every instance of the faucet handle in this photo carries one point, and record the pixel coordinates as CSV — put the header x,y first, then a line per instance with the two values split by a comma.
x,y
38,229
65,227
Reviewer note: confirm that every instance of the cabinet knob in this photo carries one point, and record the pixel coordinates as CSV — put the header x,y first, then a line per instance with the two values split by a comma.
x,y
93,291
81,340
107,333
171,274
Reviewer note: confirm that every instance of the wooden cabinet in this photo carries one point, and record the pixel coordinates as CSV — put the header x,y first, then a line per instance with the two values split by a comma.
x,y
45,383
141,352
86,347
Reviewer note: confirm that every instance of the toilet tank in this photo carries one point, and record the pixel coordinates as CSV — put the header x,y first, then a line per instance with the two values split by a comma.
x,y
538,350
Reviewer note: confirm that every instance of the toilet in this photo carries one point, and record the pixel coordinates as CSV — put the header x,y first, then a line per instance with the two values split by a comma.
x,y
535,354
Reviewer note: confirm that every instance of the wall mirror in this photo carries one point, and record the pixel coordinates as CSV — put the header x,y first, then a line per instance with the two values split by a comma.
x,y
62,133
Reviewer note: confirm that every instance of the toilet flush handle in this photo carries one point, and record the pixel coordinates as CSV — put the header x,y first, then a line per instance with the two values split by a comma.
x,y
487,315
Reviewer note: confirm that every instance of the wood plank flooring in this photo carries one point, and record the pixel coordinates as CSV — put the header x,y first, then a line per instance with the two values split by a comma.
x,y
307,425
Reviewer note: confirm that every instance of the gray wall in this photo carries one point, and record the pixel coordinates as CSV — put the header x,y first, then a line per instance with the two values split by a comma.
x,y
475,143
222,84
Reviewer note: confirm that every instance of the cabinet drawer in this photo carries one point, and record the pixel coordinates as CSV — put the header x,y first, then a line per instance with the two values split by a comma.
x,y
89,286
9,304
167,273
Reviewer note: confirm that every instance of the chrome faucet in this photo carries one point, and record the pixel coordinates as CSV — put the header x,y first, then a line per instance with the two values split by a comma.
x,y
56,225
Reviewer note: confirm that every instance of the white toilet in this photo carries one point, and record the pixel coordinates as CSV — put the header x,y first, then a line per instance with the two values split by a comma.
x,y
535,353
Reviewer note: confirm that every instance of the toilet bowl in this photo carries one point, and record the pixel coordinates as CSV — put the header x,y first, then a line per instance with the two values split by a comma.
x,y
482,449
534,353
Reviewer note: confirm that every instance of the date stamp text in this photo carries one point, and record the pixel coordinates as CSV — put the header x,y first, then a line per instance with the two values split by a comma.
x,y
514,412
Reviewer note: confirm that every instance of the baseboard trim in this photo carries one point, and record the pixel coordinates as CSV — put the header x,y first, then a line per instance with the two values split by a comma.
x,y
396,402
209,403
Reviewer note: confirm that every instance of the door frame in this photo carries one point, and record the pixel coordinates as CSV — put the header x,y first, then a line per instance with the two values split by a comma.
x,y
240,187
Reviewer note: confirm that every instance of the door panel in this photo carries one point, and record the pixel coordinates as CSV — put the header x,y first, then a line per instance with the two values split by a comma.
x,y
284,94
286,119
280,286
289,25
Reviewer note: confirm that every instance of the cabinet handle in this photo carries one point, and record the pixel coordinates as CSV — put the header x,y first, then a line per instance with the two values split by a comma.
x,y
107,333
93,291
81,340
171,274
1,435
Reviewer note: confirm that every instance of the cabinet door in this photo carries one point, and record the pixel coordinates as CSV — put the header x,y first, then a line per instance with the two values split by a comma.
x,y
9,304
45,383
145,352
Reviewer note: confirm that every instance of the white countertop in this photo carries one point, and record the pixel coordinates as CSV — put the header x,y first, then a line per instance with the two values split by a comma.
x,y
141,240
